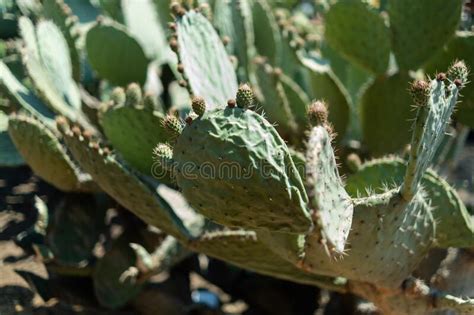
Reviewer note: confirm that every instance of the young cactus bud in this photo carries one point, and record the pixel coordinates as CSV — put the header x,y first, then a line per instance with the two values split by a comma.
x,y
173,125
199,105
420,92
318,114
118,96
151,102
458,71
163,155
133,95
245,97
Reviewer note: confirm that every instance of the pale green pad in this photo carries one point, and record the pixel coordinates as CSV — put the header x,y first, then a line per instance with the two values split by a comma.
x,y
22,98
47,63
460,47
46,156
74,230
359,33
129,128
386,114
443,98
143,22
123,185
233,18
234,152
454,226
9,155
54,10
266,33
324,85
206,63
115,55
331,205
420,28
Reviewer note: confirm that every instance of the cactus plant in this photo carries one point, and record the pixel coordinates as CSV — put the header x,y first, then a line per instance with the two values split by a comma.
x,y
246,170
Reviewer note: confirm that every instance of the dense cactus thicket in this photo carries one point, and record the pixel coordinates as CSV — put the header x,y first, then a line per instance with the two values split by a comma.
x,y
305,141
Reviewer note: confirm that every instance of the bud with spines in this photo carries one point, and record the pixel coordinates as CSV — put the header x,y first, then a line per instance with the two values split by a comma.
x,y
245,97
163,155
199,105
133,95
318,114
173,125
420,92
458,71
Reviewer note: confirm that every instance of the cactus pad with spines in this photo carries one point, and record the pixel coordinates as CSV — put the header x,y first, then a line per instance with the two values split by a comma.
x,y
237,152
42,150
459,47
128,130
210,76
48,64
331,206
420,29
60,14
359,33
122,184
454,227
266,33
115,55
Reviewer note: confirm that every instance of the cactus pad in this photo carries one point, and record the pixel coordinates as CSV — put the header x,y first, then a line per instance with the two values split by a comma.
x,y
422,28
115,55
9,155
206,63
360,34
331,206
385,114
128,130
42,150
232,152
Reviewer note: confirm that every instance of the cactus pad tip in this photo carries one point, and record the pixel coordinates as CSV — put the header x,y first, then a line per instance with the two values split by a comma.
x,y
318,113
420,92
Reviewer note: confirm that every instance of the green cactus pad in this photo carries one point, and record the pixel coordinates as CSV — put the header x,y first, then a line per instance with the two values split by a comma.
x,y
115,55
386,113
59,13
75,229
454,227
460,47
237,246
324,85
331,206
143,22
234,19
388,239
22,98
111,287
429,127
266,33
421,28
360,34
9,155
48,65
42,150
232,152
128,130
123,185
206,63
